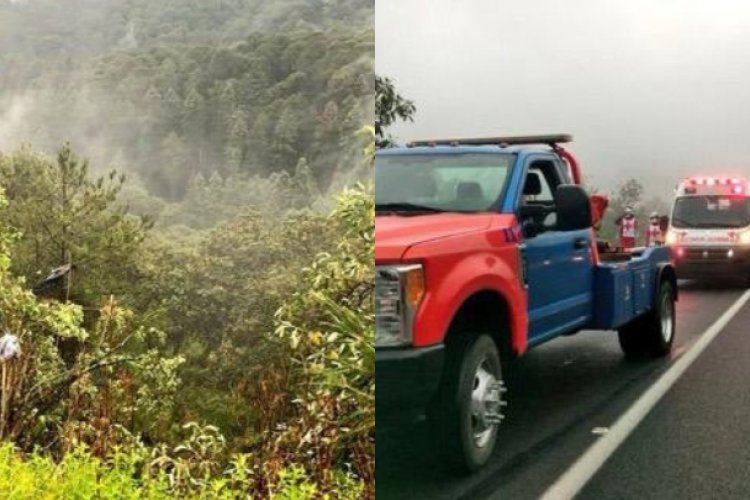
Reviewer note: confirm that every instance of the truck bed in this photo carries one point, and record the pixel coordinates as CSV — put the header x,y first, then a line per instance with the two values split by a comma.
x,y
625,284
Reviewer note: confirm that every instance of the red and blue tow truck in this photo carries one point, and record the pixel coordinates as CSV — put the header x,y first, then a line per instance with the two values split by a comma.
x,y
485,248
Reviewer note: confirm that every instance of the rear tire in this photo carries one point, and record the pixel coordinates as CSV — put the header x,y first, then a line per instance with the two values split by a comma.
x,y
470,403
651,335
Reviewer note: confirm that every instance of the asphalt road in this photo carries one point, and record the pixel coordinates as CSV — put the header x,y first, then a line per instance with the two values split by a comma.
x,y
694,442
561,392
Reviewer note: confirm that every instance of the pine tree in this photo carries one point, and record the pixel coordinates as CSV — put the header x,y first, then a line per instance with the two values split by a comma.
x,y
236,144
175,168
69,218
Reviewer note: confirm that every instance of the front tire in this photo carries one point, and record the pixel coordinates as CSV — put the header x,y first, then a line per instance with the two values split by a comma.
x,y
653,334
472,400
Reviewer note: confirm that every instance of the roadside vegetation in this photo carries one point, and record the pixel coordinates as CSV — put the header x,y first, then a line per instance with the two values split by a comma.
x,y
210,331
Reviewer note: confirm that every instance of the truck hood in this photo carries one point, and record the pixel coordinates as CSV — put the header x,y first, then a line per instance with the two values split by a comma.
x,y
395,234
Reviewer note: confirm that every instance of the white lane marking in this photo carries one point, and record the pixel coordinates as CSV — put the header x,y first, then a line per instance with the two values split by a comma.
x,y
575,478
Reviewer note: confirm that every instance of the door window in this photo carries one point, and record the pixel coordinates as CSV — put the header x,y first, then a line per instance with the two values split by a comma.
x,y
537,205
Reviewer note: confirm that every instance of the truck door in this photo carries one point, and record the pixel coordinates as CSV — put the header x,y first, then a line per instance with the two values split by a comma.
x,y
559,263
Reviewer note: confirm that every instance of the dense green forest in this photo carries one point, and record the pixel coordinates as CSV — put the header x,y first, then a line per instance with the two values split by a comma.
x,y
200,170
196,107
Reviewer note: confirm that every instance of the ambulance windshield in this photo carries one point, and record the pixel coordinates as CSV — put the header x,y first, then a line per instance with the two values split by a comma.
x,y
711,212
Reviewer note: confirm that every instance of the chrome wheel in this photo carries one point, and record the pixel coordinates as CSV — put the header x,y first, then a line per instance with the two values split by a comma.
x,y
486,404
667,317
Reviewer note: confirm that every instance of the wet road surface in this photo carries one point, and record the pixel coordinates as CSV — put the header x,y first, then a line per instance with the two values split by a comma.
x,y
559,393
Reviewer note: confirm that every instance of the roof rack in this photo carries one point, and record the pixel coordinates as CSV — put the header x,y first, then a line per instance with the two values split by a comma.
x,y
550,140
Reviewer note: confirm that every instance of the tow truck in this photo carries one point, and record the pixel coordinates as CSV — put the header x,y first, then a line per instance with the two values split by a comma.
x,y
709,228
485,248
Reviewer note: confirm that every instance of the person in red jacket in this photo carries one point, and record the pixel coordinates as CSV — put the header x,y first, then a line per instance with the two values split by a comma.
x,y
628,229
654,235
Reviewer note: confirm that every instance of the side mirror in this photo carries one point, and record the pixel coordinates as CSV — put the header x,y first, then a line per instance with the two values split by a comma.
x,y
573,208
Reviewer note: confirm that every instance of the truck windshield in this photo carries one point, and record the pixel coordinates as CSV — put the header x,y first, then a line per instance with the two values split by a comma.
x,y
711,212
440,183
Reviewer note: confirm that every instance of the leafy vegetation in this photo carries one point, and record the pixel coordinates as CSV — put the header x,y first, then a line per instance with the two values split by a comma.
x,y
66,216
244,98
53,29
175,115
208,330
215,328
136,475
390,107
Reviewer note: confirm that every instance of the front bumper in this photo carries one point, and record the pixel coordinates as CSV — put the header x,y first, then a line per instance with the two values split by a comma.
x,y
712,262
406,379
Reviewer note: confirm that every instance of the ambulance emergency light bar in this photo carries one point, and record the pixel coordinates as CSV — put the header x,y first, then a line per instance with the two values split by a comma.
x,y
713,185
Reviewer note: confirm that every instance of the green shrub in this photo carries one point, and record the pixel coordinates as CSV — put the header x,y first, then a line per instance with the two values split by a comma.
x,y
297,407
77,476
71,384
330,325
124,476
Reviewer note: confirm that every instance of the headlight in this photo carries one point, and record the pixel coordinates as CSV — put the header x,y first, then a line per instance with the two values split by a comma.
x,y
744,238
671,238
398,293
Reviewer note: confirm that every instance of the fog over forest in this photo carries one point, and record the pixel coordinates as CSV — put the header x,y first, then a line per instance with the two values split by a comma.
x,y
654,91
168,91
200,325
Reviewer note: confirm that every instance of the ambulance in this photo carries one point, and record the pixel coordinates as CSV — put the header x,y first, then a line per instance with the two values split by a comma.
x,y
709,230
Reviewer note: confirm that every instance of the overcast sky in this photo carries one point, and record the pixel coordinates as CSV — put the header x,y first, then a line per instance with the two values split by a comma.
x,y
652,90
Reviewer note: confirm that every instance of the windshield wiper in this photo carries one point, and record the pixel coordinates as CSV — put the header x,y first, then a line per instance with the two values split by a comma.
x,y
405,207
681,221
717,225
713,225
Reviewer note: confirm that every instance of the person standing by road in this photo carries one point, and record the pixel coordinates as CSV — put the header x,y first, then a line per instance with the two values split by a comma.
x,y
628,229
654,235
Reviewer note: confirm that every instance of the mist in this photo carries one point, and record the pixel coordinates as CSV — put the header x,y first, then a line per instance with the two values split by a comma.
x,y
652,91
177,92
14,110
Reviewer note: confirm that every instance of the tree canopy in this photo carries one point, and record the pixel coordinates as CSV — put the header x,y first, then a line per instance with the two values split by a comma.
x,y
390,107
193,171
234,87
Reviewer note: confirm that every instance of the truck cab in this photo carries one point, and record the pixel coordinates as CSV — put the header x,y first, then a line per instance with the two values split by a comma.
x,y
484,248
710,228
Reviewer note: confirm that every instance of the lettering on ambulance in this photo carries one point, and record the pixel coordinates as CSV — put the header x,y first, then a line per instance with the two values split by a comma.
x,y
691,237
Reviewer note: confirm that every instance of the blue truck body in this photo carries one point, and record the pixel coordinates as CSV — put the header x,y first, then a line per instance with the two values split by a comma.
x,y
567,290
630,287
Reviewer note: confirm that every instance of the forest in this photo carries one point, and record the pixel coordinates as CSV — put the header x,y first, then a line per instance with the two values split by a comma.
x,y
186,249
